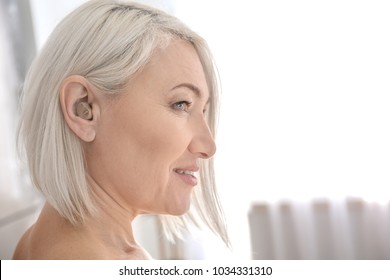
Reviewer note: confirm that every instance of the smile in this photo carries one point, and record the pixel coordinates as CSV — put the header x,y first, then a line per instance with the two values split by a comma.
x,y
187,176
187,172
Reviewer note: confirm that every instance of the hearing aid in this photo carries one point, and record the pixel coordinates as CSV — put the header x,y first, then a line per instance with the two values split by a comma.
x,y
84,110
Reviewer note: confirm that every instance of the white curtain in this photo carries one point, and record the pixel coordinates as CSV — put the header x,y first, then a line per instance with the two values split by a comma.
x,y
321,229
8,108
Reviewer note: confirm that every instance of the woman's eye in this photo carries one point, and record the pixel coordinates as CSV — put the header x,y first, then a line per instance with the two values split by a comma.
x,y
182,106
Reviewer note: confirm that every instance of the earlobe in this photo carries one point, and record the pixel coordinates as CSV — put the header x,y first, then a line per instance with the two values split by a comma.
x,y
79,107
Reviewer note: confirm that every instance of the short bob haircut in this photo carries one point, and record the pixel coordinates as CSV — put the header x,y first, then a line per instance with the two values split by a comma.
x,y
107,42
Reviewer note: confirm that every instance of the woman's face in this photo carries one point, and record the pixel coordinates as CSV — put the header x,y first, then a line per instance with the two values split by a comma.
x,y
149,141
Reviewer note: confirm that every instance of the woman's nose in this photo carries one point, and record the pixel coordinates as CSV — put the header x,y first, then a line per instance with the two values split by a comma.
x,y
202,143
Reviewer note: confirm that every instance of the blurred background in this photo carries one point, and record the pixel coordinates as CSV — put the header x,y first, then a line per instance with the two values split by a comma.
x,y
303,161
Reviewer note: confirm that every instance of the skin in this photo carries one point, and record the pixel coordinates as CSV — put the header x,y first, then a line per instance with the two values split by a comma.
x,y
134,145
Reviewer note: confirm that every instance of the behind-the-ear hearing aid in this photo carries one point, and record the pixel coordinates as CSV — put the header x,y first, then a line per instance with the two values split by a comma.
x,y
84,110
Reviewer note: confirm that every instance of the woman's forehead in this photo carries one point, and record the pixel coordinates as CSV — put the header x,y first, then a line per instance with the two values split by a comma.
x,y
173,66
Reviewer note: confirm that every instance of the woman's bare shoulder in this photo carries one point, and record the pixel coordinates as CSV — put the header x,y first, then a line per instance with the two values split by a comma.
x,y
74,251
36,246
54,238
43,244
22,248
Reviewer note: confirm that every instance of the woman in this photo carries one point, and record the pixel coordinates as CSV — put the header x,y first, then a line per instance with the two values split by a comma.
x,y
118,120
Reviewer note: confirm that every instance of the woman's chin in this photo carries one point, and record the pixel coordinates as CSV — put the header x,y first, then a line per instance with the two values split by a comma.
x,y
179,210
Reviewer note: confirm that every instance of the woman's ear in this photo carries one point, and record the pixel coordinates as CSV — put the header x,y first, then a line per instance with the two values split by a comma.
x,y
79,107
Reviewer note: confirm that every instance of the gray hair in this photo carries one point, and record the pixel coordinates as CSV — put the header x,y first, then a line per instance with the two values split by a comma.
x,y
105,41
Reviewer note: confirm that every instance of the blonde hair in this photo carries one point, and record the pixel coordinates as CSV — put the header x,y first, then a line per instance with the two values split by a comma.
x,y
105,41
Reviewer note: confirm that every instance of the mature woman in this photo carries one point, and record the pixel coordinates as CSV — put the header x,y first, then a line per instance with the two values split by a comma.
x,y
118,120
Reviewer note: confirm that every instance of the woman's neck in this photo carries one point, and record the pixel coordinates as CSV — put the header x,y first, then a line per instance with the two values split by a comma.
x,y
112,224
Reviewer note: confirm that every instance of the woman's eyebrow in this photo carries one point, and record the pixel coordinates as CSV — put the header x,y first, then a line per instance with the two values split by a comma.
x,y
191,87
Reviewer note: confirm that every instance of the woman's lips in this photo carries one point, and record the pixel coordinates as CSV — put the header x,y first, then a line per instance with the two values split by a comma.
x,y
188,176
